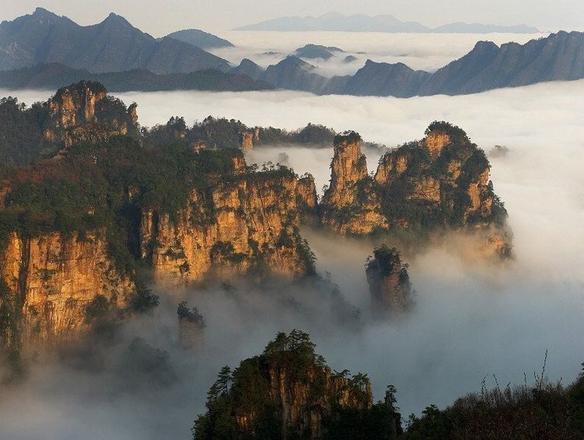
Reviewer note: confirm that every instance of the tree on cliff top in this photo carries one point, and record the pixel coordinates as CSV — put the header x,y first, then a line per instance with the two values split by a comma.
x,y
243,404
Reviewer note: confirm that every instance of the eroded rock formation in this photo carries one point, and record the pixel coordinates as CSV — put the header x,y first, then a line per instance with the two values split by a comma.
x,y
248,223
389,281
442,181
351,204
84,112
48,282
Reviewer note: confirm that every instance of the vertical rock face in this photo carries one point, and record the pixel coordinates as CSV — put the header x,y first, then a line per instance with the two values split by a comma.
x,y
306,197
442,181
245,224
47,283
84,112
389,281
247,141
351,205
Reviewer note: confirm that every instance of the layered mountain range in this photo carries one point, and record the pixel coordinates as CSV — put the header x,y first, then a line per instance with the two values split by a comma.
x,y
559,57
43,50
110,46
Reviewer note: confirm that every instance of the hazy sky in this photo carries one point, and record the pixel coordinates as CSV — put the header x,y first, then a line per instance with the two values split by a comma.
x,y
159,17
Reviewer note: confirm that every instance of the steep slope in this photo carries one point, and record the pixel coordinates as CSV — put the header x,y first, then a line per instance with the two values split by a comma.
x,y
110,46
559,57
246,224
382,79
51,284
439,182
351,204
199,38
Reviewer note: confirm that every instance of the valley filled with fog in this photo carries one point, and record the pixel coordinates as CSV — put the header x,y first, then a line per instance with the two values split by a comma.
x,y
470,322
418,51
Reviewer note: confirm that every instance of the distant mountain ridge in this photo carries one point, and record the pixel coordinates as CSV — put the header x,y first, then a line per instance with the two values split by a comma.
x,y
54,76
488,66
380,23
43,49
113,45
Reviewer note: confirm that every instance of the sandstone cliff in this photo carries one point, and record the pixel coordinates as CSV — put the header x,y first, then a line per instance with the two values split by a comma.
x,y
48,282
442,181
389,281
242,224
84,112
351,204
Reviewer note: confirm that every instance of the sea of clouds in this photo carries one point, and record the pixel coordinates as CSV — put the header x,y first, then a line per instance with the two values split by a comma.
x,y
418,51
470,322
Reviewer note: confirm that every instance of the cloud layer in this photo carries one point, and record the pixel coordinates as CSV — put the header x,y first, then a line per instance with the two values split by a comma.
x,y
470,321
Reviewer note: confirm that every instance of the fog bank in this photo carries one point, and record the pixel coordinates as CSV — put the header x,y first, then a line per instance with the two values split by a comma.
x,y
470,321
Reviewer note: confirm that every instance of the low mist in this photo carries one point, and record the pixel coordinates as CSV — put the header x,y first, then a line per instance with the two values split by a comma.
x,y
470,321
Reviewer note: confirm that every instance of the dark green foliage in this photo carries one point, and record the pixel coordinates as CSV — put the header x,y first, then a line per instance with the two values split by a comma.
x,y
314,134
190,314
20,132
246,394
381,422
144,300
227,133
307,256
386,260
457,134
348,136
543,411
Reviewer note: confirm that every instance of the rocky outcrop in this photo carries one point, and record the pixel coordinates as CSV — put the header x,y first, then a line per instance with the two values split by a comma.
x,y
351,205
84,112
389,281
244,224
249,139
48,282
294,393
442,181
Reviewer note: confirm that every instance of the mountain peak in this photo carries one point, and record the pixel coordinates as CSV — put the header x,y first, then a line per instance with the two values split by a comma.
x,y
114,18
42,12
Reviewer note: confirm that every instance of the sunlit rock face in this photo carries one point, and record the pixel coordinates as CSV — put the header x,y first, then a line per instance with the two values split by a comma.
x,y
351,205
442,181
389,282
247,224
48,282
84,112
